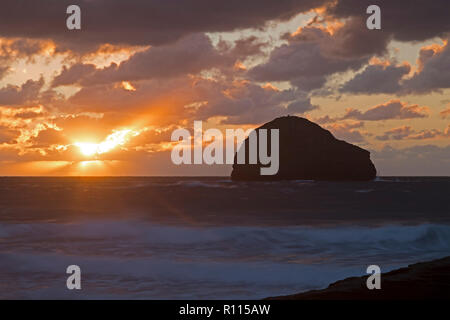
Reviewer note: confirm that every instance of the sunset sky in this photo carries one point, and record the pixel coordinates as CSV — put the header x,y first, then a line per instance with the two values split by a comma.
x,y
105,99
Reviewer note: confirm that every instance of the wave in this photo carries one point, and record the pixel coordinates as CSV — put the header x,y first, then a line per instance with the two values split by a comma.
x,y
221,241
136,259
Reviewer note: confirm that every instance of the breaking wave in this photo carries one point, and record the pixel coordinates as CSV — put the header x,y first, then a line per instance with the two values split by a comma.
x,y
135,259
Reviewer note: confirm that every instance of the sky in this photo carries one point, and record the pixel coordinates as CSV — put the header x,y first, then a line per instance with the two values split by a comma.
x,y
105,99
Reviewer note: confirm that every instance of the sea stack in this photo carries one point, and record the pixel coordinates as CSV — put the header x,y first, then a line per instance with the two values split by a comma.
x,y
308,152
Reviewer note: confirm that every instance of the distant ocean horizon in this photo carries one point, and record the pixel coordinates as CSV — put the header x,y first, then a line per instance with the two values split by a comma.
x,y
210,237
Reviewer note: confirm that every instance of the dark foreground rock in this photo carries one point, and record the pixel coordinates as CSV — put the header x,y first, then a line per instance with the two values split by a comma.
x,y
309,152
427,280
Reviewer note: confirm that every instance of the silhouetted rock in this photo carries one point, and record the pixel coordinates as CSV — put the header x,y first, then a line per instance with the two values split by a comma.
x,y
308,152
426,280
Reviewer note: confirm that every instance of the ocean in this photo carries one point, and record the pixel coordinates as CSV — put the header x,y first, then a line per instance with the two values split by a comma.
x,y
211,238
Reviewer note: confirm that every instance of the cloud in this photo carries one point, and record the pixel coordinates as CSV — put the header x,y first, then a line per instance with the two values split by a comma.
x,y
26,93
243,102
168,101
426,160
347,131
403,20
407,133
301,106
313,53
175,75
3,71
396,133
393,109
310,56
7,135
48,137
189,55
381,78
13,49
445,113
352,40
17,48
377,78
434,61
397,23
74,74
137,22
427,134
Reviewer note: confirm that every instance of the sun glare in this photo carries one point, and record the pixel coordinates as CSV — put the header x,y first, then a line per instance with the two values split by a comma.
x,y
117,138
127,86
88,149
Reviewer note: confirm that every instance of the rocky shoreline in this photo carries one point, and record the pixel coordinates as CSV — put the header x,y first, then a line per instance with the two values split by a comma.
x,y
425,280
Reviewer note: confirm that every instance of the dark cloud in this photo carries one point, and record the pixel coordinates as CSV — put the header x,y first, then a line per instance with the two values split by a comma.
x,y
243,102
301,106
16,95
416,20
137,22
376,79
396,133
412,20
244,48
406,132
314,53
348,131
393,109
433,74
74,74
189,55
353,40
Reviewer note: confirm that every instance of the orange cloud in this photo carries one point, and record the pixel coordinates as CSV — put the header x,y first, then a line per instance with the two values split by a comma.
x,y
445,113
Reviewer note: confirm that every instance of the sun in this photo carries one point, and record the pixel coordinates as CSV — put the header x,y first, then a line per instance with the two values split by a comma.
x,y
115,139
87,149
